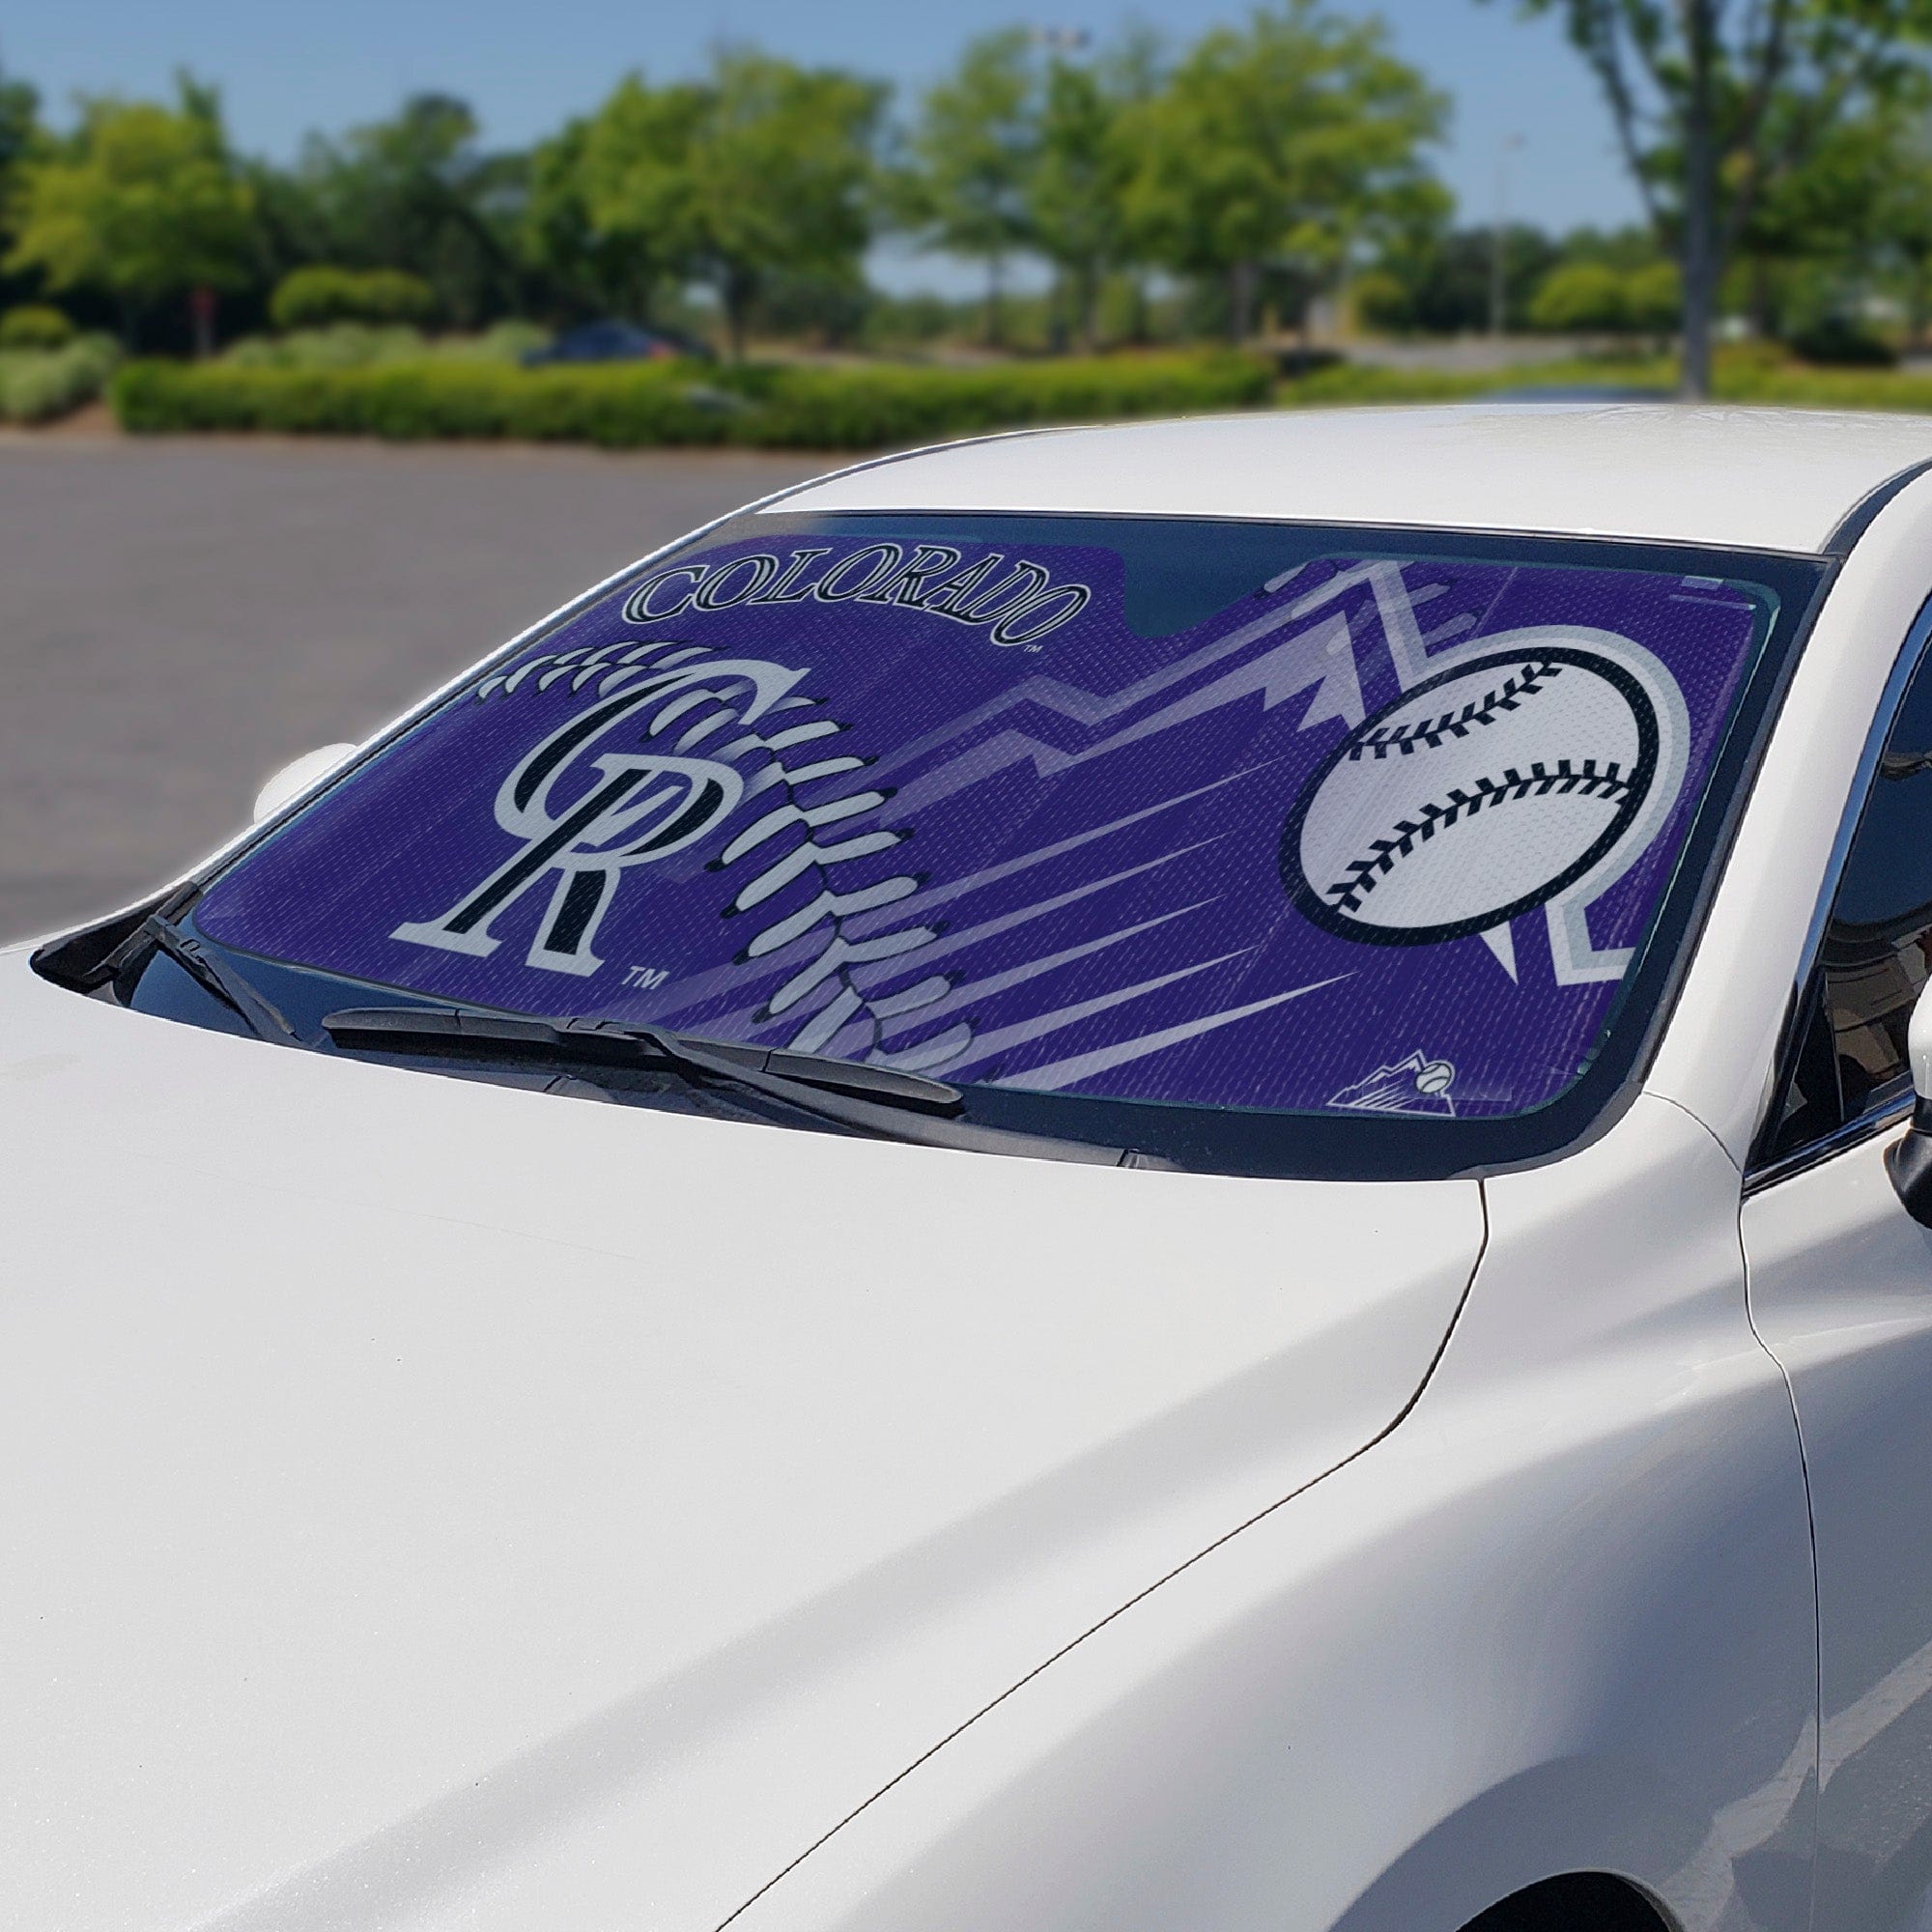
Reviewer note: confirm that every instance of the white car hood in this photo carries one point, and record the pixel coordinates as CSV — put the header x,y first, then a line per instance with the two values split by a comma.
x,y
431,1504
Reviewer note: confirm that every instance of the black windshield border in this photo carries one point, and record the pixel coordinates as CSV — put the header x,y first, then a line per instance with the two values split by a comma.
x,y
1266,1144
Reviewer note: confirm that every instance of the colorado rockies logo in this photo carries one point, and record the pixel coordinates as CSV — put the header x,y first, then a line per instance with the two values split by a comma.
x,y
682,746
1478,795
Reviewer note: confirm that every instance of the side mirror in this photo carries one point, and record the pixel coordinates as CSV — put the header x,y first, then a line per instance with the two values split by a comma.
x,y
1909,1161
296,776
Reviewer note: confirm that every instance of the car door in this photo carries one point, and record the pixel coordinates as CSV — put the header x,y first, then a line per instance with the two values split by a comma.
x,y
1840,1285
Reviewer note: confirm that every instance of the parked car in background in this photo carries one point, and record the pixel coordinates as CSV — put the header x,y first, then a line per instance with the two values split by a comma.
x,y
616,342
1106,1182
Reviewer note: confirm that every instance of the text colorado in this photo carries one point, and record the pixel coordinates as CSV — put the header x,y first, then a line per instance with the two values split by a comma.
x,y
1016,600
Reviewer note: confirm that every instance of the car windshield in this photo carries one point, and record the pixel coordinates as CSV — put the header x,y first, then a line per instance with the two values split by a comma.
x,y
1242,841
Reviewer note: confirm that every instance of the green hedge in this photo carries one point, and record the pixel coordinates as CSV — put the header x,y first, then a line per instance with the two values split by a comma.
x,y
1743,376
629,406
40,384
362,345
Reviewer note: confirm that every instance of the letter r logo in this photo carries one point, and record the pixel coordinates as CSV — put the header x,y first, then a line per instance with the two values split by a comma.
x,y
641,806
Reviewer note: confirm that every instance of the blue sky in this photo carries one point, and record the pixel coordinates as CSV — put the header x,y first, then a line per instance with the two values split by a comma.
x,y
284,70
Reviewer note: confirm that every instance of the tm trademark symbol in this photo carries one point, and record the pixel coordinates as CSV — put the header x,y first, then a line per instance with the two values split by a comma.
x,y
1034,650
650,978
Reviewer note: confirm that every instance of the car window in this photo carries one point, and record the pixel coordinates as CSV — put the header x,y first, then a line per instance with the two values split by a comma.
x,y
1174,818
1850,1057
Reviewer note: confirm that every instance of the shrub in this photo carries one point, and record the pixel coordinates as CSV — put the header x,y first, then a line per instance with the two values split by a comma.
x,y
507,341
341,345
1382,301
418,401
362,345
866,408
1578,297
633,405
35,325
1839,341
40,384
315,297
1653,298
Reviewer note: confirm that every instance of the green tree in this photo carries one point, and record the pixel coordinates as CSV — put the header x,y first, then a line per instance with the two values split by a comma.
x,y
973,152
1899,211
417,192
1076,190
1444,275
20,136
1713,106
143,201
21,132
610,210
1280,143
1854,220
762,169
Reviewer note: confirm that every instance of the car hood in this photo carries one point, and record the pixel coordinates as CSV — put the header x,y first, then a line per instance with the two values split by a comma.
x,y
434,1504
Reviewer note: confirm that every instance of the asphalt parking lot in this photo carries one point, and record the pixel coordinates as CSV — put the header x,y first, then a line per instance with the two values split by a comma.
x,y
177,619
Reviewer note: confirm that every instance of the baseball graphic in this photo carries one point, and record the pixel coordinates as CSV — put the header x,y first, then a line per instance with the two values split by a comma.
x,y
1479,794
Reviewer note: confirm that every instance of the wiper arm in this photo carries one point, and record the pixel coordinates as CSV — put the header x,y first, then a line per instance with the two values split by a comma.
x,y
261,1015
879,1101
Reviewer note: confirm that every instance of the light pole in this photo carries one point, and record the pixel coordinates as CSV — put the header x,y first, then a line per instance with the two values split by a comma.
x,y
1499,233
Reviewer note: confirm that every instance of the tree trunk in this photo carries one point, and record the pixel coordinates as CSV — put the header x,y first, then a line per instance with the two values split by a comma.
x,y
1700,195
201,313
1242,280
737,294
1087,319
995,327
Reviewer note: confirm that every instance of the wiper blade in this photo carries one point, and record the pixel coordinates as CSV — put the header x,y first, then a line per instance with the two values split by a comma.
x,y
611,1042
879,1101
262,1015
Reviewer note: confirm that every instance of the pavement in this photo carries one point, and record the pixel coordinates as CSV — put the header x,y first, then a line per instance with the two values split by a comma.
x,y
178,617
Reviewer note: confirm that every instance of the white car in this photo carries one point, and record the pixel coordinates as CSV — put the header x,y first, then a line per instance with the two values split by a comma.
x,y
1118,1181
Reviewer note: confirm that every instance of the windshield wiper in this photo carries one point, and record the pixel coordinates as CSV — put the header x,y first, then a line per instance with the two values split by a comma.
x,y
261,1015
879,1101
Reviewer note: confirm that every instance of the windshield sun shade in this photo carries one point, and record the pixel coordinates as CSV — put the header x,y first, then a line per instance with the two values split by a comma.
x,y
1211,817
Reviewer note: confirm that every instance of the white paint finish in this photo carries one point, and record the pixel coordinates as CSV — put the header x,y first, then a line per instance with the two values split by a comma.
x,y
452,1507
1841,1291
1559,1619
1775,479
1716,1058
460,1506
1919,1048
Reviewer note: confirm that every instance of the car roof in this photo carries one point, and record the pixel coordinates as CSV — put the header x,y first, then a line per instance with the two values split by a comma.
x,y
1769,479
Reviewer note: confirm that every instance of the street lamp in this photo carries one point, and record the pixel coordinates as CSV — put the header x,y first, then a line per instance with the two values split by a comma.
x,y
1498,233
